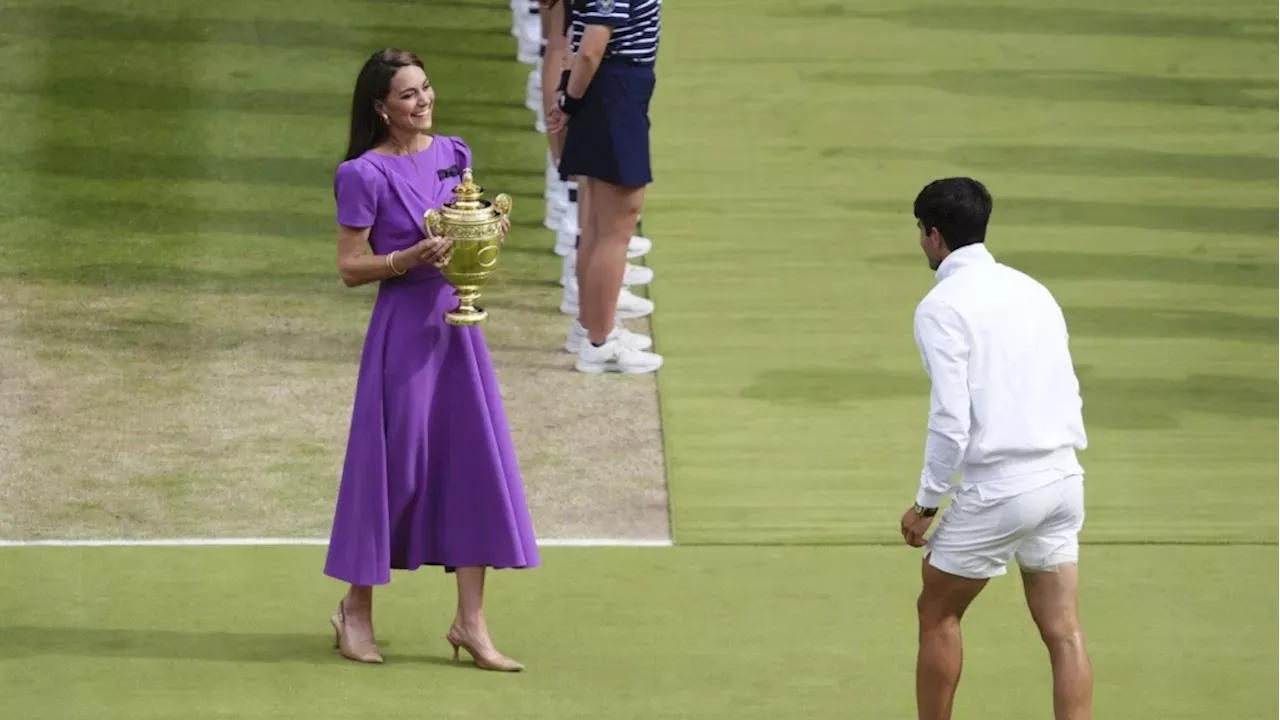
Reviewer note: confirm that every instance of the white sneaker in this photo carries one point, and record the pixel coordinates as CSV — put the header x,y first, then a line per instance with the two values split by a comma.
x,y
638,247
632,275
567,237
630,305
630,340
637,275
613,356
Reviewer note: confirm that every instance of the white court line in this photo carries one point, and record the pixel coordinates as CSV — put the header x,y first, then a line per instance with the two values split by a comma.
x,y
262,542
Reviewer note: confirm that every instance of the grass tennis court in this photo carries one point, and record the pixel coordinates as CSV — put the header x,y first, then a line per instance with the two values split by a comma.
x,y
621,633
1131,155
177,356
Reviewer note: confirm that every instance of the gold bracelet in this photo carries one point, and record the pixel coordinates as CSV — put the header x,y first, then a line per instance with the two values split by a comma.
x,y
391,263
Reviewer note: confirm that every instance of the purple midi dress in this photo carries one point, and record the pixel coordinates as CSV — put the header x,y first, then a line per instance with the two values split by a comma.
x,y
430,476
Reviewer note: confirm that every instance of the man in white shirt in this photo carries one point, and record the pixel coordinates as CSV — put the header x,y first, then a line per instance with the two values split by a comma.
x,y
1005,414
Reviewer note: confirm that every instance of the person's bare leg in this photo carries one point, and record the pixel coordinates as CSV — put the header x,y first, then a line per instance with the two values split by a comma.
x,y
943,601
353,625
469,629
586,232
1052,599
358,608
469,617
615,209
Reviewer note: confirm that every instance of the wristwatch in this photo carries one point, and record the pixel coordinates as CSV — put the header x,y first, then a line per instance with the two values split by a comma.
x,y
923,511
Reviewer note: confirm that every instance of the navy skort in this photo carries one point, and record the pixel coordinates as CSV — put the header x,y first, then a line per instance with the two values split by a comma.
x,y
608,139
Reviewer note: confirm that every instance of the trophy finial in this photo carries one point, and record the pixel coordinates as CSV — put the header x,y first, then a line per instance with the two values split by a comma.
x,y
468,192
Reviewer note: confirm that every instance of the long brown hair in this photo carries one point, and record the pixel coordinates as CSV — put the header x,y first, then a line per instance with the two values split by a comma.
x,y
372,85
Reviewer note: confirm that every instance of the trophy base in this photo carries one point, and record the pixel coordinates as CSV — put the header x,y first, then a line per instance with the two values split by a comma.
x,y
466,316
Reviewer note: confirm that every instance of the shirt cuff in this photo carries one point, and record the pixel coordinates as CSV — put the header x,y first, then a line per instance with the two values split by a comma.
x,y
613,22
929,498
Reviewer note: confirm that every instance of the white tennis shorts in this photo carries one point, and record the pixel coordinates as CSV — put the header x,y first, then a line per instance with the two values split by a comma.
x,y
1039,529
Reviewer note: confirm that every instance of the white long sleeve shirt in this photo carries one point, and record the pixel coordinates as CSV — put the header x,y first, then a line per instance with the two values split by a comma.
x,y
1005,408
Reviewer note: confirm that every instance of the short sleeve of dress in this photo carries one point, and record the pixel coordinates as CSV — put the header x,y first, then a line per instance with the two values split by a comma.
x,y
462,153
356,188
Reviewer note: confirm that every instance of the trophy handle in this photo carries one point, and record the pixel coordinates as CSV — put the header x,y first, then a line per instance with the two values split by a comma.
x,y
433,222
502,203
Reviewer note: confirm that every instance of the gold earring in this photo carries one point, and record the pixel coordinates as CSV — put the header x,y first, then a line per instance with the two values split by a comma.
x,y
385,121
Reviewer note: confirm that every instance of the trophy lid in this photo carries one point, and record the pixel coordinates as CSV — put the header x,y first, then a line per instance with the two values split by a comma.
x,y
468,194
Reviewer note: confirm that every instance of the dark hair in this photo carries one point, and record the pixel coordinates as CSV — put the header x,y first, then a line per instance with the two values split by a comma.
x,y
374,84
958,207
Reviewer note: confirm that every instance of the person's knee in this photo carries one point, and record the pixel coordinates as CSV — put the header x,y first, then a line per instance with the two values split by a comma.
x,y
1051,597
630,206
625,204
1058,623
939,627
1061,632
934,617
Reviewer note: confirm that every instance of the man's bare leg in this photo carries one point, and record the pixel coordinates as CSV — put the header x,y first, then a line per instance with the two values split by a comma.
x,y
1052,599
943,601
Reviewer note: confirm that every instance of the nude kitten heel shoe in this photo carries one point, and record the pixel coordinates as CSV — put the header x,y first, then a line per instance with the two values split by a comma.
x,y
497,662
367,653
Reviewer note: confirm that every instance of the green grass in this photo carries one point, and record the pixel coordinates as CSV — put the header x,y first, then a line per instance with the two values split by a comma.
x,y
683,633
1131,153
176,355
178,341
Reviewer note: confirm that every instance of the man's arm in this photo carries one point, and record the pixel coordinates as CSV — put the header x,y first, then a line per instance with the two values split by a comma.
x,y
944,347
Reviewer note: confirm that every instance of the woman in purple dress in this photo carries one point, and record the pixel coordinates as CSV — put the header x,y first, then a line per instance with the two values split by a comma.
x,y
430,477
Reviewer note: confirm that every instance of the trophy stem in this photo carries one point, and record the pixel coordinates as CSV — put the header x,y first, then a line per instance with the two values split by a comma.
x,y
466,313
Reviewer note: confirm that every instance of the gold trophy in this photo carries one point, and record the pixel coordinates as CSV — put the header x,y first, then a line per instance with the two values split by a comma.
x,y
475,226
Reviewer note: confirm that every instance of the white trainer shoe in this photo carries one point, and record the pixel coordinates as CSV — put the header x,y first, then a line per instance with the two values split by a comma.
x,y
639,246
567,236
637,275
613,356
630,305
577,337
632,275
